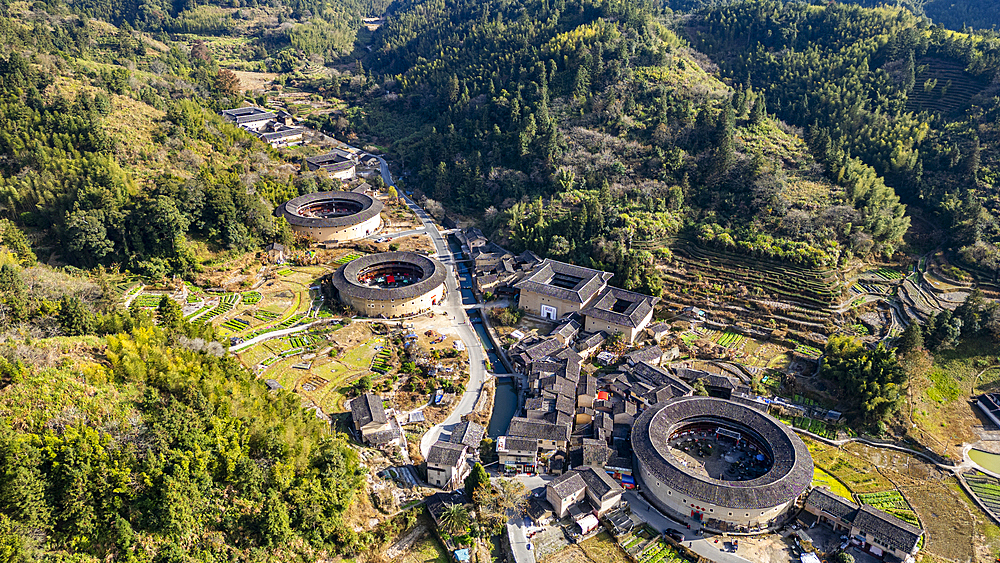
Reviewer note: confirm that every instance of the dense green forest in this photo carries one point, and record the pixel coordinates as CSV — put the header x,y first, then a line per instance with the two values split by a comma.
x,y
590,131
160,448
916,103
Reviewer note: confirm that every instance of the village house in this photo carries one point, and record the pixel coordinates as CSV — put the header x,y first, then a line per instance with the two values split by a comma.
x,y
554,289
879,531
370,420
583,484
517,455
447,466
618,310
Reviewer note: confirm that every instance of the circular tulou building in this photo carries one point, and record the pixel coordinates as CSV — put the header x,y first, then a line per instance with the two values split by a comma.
x,y
333,216
390,284
727,465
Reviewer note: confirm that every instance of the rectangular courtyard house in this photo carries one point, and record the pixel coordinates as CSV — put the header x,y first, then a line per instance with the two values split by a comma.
x,y
876,531
369,417
337,163
583,484
447,466
281,135
555,289
618,310
517,455
251,118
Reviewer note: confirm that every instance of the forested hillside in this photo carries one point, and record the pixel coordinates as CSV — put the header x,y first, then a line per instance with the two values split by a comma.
x,y
917,103
589,131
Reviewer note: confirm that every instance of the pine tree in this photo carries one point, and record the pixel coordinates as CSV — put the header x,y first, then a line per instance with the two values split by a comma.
x,y
476,479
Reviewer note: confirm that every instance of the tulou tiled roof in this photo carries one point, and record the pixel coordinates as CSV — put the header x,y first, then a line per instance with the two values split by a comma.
x,y
599,483
525,428
346,278
540,281
825,501
648,354
790,474
370,207
621,307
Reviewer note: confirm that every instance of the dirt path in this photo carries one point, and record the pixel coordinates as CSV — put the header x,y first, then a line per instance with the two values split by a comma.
x,y
405,542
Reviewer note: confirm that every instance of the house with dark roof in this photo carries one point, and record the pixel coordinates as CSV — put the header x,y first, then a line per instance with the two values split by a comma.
x,y
447,466
618,310
278,134
251,118
547,435
517,455
588,344
879,531
650,355
468,434
658,331
555,289
596,452
583,484
338,163
368,416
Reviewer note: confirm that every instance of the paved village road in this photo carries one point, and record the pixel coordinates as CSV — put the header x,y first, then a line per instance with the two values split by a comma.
x,y
456,312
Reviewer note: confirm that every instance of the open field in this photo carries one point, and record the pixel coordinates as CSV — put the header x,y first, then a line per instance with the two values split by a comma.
x,y
822,478
940,396
598,549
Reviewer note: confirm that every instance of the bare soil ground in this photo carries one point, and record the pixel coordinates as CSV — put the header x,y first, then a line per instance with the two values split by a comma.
x,y
255,80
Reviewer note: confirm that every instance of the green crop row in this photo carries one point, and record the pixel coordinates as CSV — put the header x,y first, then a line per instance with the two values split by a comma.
x,y
347,258
251,297
148,300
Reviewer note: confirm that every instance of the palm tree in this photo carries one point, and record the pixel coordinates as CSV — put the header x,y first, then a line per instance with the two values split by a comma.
x,y
455,518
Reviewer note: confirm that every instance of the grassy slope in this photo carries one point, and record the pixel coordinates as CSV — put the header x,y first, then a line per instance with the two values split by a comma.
x,y
940,396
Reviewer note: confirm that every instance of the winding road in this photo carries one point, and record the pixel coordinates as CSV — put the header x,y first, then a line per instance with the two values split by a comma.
x,y
456,311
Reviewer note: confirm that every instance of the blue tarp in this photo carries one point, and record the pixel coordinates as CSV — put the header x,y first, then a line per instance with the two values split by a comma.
x,y
628,479
462,554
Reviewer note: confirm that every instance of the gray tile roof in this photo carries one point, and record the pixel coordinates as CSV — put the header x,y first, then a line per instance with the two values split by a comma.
x,y
565,404
648,354
621,307
595,452
542,349
383,436
588,341
601,484
791,471
567,330
367,408
540,281
567,484
446,454
887,530
467,433
823,500
513,443
524,428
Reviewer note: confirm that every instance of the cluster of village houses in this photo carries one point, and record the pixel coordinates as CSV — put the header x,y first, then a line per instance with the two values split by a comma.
x,y
578,426
278,129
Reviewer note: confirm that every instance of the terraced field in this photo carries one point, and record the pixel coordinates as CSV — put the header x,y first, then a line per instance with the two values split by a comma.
x,y
943,87
810,288
986,488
